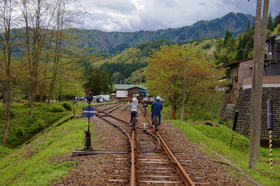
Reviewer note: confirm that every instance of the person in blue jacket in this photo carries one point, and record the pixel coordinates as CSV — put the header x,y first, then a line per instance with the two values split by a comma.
x,y
156,110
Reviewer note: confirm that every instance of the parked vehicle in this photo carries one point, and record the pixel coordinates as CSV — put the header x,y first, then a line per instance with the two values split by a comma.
x,y
101,98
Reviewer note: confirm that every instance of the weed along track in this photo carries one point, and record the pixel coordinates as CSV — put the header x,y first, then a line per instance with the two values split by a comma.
x,y
142,157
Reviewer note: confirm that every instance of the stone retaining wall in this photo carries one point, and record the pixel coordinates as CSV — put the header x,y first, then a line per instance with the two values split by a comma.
x,y
243,105
227,112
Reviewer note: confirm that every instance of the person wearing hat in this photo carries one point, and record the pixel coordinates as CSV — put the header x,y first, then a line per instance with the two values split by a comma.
x,y
156,110
133,108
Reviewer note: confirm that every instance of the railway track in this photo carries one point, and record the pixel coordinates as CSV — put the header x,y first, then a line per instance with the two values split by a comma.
x,y
150,160
114,164
121,174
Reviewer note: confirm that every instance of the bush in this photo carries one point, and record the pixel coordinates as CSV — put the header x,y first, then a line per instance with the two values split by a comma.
x,y
34,129
20,132
54,117
36,126
27,105
2,113
67,106
56,108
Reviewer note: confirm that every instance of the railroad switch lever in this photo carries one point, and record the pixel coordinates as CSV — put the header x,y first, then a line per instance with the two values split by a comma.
x,y
87,141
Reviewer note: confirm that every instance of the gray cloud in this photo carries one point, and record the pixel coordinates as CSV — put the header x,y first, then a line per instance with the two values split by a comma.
x,y
132,15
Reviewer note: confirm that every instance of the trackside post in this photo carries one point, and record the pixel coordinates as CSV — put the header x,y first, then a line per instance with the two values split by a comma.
x,y
234,126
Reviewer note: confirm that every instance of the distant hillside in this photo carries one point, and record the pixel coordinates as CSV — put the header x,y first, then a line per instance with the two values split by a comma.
x,y
129,65
114,42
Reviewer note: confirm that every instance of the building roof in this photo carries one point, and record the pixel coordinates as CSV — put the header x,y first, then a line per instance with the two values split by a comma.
x,y
127,87
242,60
237,62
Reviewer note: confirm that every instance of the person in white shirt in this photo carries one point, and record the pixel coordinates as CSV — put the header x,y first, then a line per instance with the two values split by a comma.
x,y
133,108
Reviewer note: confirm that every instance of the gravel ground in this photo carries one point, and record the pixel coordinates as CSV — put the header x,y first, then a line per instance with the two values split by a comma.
x,y
202,168
99,169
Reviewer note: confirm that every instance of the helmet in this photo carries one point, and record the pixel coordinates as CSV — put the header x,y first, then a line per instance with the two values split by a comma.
x,y
145,99
134,99
158,98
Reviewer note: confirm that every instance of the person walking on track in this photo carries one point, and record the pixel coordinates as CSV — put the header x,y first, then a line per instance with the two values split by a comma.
x,y
145,105
133,108
156,110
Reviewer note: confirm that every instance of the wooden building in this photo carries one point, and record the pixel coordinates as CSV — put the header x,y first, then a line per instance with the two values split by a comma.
x,y
124,91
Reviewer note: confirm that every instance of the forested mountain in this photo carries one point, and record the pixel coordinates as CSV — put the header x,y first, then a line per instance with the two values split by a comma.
x,y
114,42
129,65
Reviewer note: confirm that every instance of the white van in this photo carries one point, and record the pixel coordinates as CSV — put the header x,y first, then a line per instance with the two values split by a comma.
x,y
104,97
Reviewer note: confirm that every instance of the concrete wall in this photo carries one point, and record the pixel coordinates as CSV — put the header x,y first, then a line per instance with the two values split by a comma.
x,y
268,81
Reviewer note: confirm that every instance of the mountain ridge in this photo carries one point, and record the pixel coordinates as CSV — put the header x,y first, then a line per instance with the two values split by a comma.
x,y
115,42
108,43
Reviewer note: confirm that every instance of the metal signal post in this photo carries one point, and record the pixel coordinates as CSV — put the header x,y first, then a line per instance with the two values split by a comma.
x,y
88,112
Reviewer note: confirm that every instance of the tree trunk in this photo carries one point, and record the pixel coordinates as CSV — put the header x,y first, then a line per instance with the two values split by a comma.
x,y
7,114
174,111
7,19
58,40
31,101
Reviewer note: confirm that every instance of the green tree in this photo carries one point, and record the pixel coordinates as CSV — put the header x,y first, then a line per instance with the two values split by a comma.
x,y
165,74
139,76
106,81
245,43
225,49
94,83
270,25
276,30
276,20
7,19
228,38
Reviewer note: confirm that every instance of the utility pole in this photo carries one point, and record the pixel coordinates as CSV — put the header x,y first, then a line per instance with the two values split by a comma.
x,y
257,81
184,89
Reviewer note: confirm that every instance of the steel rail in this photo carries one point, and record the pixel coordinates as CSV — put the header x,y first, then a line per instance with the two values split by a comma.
x,y
124,131
110,108
132,169
112,116
131,141
184,175
158,140
149,132
115,109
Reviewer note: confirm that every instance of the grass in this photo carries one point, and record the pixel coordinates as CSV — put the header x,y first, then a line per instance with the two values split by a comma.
x,y
32,163
191,113
4,151
218,140
22,127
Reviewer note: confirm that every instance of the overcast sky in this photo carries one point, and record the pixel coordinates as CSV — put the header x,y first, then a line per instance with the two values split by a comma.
x,y
134,15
